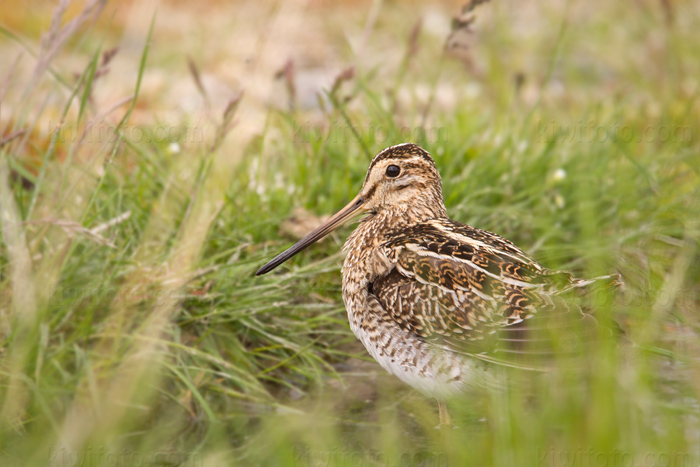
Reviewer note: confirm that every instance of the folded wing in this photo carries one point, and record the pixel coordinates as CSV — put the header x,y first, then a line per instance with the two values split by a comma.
x,y
471,291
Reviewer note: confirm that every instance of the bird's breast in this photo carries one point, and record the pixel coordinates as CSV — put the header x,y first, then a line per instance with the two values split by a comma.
x,y
364,263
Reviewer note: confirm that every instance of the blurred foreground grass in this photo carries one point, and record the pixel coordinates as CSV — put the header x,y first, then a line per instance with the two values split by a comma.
x,y
133,330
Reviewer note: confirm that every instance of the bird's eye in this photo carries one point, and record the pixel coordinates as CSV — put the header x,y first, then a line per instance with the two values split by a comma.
x,y
393,171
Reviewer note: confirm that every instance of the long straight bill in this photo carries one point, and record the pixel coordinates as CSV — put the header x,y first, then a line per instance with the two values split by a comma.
x,y
317,234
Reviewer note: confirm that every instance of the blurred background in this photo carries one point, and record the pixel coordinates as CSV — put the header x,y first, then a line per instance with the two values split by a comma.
x,y
154,154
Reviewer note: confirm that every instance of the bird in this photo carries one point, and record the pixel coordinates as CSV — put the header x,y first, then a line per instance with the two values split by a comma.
x,y
436,302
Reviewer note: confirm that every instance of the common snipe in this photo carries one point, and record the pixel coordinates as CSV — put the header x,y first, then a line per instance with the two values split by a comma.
x,y
431,299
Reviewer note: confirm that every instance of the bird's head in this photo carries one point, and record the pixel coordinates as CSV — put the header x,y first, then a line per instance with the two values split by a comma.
x,y
402,182
403,179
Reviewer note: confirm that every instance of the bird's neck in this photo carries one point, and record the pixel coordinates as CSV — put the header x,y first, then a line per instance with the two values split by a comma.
x,y
407,214
374,227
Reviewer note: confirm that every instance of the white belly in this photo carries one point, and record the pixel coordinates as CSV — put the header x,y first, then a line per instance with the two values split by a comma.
x,y
434,372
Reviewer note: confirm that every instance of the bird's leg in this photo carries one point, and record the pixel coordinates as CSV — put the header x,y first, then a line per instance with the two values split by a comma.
x,y
445,419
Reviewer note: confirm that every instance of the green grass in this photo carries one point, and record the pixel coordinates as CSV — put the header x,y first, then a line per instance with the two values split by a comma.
x,y
132,326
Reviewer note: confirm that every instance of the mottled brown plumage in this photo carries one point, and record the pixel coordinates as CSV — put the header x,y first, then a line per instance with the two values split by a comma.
x,y
435,301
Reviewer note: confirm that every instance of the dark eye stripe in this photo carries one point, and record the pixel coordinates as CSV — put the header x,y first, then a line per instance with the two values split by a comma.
x,y
402,152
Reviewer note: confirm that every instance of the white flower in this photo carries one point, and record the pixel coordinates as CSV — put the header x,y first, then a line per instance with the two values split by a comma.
x,y
559,175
